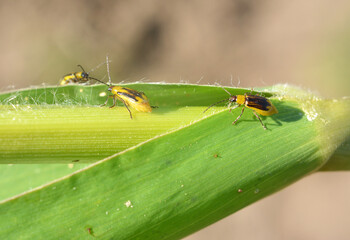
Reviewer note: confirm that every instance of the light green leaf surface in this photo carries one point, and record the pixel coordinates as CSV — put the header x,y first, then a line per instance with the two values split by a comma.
x,y
186,172
66,124
19,178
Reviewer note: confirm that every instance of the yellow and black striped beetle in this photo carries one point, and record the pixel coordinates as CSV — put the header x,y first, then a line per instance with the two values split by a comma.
x,y
259,105
128,96
77,77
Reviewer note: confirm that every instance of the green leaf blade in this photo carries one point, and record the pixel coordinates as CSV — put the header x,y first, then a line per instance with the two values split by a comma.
x,y
181,181
174,190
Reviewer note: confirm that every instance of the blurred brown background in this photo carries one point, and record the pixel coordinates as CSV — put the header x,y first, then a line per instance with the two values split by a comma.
x,y
259,43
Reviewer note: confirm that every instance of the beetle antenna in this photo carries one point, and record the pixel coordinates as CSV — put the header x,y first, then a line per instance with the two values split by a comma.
x,y
98,80
226,91
215,104
81,67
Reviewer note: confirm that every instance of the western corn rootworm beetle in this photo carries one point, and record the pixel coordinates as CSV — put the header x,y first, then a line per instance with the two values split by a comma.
x,y
77,77
130,97
258,104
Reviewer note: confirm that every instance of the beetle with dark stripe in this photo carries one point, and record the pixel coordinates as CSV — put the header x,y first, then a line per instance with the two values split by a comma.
x,y
130,97
259,105
77,77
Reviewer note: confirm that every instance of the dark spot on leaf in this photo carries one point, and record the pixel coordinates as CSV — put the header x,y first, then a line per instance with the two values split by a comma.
x,y
90,231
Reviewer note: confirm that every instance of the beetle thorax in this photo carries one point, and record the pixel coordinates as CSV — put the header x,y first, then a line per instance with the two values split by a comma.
x,y
240,99
113,89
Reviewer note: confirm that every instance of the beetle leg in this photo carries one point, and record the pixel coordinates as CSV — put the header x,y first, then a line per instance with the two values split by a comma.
x,y
238,116
126,107
106,101
234,107
114,102
259,119
251,91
